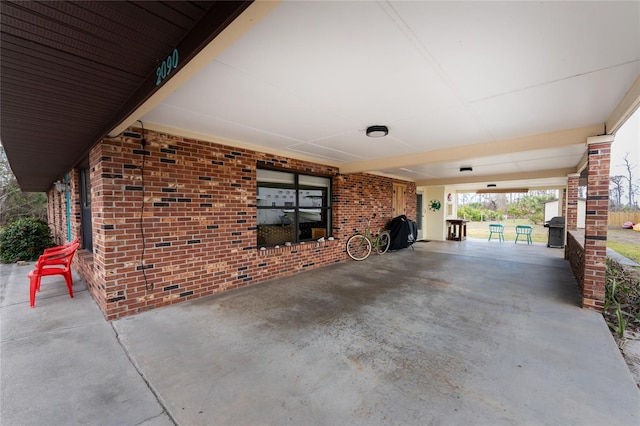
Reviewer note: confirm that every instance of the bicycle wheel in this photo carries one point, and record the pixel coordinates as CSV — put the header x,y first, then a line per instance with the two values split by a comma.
x,y
383,242
358,247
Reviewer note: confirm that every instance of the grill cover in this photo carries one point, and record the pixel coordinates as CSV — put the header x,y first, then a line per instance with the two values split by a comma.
x,y
403,232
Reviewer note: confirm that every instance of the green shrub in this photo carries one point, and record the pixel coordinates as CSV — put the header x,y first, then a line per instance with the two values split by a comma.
x,y
475,213
24,239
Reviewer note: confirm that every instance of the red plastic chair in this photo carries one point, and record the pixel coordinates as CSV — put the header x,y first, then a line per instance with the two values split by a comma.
x,y
61,247
55,261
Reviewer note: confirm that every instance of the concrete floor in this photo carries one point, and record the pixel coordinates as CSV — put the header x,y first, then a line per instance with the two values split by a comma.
x,y
61,362
449,333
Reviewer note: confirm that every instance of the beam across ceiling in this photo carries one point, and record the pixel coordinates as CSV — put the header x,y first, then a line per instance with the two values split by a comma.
x,y
541,174
502,191
461,153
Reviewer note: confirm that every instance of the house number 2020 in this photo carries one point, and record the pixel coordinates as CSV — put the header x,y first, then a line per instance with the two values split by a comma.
x,y
168,65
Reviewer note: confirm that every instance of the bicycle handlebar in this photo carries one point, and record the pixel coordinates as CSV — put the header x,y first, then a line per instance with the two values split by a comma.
x,y
369,221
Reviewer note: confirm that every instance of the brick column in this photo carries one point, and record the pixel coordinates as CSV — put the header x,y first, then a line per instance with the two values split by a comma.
x,y
595,239
572,201
563,194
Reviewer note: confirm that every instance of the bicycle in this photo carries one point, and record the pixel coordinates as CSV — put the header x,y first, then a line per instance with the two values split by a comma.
x,y
359,245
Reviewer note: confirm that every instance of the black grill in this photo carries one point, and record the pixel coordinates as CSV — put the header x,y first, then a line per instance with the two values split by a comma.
x,y
555,222
556,232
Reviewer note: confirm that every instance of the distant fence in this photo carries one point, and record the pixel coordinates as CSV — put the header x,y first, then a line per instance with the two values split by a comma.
x,y
618,218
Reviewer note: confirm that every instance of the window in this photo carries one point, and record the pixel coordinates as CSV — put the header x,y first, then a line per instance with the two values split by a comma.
x,y
85,201
292,207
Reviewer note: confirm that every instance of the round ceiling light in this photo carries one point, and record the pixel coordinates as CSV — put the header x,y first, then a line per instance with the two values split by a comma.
x,y
377,131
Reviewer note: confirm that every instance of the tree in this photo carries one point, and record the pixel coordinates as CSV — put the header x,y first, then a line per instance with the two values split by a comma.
x,y
494,206
501,202
616,189
6,175
632,189
463,198
15,204
582,192
530,206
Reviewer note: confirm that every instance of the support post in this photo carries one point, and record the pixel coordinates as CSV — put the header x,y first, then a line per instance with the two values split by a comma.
x,y
572,201
595,239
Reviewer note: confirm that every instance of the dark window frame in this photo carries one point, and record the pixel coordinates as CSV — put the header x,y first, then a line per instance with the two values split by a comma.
x,y
325,208
85,207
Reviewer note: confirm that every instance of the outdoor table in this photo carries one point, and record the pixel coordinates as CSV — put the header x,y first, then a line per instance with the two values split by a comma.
x,y
456,229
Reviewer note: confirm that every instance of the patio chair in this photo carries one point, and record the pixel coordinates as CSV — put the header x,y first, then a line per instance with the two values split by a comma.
x,y
61,247
55,261
496,228
524,230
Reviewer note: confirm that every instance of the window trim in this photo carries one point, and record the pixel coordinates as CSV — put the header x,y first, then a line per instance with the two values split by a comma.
x,y
86,219
296,174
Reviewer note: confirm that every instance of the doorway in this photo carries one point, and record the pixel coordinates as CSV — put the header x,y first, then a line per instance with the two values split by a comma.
x,y
399,201
419,214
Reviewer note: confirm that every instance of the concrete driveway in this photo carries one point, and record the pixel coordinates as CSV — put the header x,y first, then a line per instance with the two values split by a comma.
x,y
449,333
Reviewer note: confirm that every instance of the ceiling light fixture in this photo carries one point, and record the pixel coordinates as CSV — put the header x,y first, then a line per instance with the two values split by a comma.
x,y
491,185
377,131
60,186
502,191
466,169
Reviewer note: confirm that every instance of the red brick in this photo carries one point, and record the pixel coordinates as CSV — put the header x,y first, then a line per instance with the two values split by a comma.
x,y
212,265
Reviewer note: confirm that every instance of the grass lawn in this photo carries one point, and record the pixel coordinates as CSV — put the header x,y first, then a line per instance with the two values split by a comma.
x,y
624,241
540,234
627,250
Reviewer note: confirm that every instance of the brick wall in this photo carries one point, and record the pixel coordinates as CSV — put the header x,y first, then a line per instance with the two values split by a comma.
x,y
199,221
597,206
83,262
574,253
573,182
358,197
56,215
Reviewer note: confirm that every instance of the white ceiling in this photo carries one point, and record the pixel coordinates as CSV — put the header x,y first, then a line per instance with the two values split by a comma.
x,y
308,79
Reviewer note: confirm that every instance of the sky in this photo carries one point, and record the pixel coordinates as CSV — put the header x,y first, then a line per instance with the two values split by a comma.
x,y
627,140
